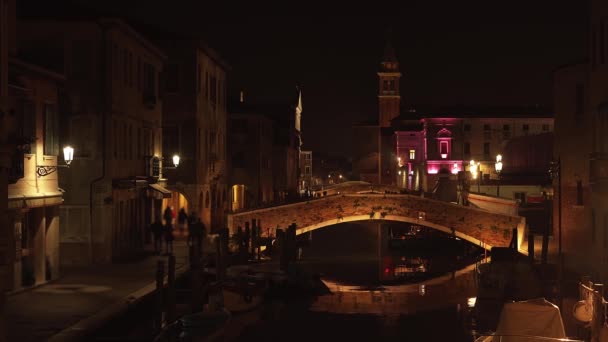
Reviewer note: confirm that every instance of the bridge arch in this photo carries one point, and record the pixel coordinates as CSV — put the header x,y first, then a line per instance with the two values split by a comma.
x,y
477,226
393,218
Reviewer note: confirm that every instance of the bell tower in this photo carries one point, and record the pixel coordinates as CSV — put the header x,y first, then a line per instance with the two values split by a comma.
x,y
388,86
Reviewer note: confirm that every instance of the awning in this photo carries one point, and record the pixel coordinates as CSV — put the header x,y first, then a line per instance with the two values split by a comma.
x,y
159,191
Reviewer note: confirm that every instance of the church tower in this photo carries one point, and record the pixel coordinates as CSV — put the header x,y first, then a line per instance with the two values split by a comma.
x,y
388,88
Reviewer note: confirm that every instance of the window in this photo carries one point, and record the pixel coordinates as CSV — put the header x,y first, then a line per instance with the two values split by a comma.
x,y
593,46
506,131
125,66
115,133
520,196
115,61
51,130
443,149
467,127
130,74
138,75
487,133
602,43
486,150
308,156
149,80
580,100
213,91
198,78
173,78
506,127
388,85
592,224
307,171
412,154
525,128
81,55
579,192
467,148
545,127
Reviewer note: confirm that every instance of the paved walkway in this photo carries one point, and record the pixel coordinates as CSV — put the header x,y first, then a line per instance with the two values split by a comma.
x,y
41,312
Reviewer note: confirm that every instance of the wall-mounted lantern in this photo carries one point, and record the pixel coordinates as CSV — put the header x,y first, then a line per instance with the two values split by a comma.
x,y
45,170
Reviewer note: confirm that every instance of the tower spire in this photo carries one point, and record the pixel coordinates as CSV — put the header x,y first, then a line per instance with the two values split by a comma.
x,y
389,61
389,98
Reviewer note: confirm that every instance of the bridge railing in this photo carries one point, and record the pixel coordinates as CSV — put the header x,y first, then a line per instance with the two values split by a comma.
x,y
280,203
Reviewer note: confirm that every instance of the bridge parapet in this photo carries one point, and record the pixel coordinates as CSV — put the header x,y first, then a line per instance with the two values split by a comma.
x,y
478,226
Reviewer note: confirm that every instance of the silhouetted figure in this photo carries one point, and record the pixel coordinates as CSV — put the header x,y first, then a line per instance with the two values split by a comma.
x,y
168,216
191,221
157,231
182,221
169,238
247,237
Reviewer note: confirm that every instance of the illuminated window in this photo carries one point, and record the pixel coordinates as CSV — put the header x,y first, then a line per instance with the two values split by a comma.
x,y
412,154
443,149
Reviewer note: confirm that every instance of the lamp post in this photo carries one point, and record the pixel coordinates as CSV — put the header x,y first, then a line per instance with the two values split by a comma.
x,y
498,167
555,174
473,168
45,170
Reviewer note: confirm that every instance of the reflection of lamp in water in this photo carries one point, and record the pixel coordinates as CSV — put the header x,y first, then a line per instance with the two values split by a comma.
x,y
422,289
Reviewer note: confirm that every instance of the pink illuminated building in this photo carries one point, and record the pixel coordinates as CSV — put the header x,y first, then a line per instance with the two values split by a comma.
x,y
415,148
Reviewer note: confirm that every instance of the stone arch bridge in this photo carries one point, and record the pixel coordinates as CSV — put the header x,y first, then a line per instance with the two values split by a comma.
x,y
476,226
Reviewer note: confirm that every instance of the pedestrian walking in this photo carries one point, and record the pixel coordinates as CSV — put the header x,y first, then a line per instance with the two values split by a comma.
x,y
157,231
191,223
168,216
198,234
169,238
182,221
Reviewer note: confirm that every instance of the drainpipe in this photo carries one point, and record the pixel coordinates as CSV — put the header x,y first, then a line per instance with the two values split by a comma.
x,y
104,109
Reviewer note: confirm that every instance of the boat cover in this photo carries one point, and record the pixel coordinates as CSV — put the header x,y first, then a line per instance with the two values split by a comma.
x,y
537,317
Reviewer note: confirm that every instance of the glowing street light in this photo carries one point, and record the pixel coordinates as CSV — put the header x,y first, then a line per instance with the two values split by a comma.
x,y
498,167
473,168
175,160
45,170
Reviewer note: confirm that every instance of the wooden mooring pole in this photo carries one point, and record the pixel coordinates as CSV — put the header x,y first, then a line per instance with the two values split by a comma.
x,y
160,278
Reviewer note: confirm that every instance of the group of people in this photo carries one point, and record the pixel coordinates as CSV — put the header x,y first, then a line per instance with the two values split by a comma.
x,y
194,225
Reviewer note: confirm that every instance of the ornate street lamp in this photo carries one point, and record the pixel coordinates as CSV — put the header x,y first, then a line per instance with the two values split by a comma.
x,y
498,167
45,170
175,163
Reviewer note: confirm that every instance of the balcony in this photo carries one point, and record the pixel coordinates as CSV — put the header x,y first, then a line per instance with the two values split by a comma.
x,y
598,172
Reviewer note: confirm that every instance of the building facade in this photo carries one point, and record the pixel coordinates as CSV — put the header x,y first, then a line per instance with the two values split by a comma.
x,y
29,99
268,170
250,142
415,148
306,174
112,117
6,151
194,127
581,147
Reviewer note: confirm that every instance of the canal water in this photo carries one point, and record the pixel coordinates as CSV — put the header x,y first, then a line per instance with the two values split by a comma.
x,y
406,283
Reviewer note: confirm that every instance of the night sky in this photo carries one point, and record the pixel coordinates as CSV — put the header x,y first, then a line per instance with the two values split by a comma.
x,y
471,53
